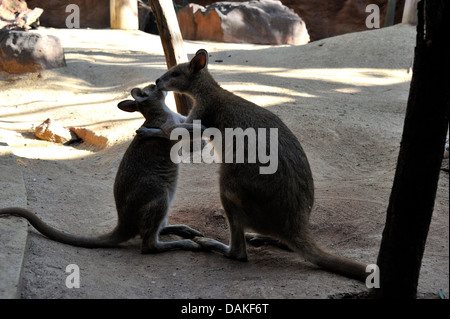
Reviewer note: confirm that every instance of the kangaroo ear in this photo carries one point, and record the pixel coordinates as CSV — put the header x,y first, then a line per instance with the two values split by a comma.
x,y
127,106
199,61
139,95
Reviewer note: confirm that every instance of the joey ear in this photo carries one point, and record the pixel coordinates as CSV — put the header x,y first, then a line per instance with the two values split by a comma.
x,y
138,95
127,106
199,61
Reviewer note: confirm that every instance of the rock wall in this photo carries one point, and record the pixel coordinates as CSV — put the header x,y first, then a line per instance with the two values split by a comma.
x,y
325,18
93,13
260,22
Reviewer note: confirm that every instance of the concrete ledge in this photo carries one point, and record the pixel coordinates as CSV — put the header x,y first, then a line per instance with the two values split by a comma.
x,y
13,230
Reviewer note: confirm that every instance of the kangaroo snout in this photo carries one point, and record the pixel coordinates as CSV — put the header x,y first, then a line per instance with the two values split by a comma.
x,y
162,84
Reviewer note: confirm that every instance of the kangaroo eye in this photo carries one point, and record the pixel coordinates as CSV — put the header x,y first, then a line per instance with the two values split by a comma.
x,y
176,73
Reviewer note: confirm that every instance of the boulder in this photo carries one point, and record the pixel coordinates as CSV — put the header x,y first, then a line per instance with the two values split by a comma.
x,y
90,136
259,22
330,18
15,15
22,52
52,131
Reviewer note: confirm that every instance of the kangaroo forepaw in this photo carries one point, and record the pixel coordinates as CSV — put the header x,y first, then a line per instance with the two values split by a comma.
x,y
150,132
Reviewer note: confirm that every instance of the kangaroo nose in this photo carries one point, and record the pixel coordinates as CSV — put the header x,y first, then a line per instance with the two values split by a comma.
x,y
157,81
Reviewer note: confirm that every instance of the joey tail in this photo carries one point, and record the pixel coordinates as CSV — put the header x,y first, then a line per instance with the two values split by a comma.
x,y
112,239
337,264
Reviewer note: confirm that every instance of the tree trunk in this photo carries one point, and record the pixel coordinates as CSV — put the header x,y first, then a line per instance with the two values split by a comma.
x,y
416,178
172,43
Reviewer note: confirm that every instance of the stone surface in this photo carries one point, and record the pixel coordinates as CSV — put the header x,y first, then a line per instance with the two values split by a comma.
x,y
325,18
22,52
90,136
15,15
259,22
52,131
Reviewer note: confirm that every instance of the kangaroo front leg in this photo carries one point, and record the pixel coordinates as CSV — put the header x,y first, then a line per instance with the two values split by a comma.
x,y
150,132
166,132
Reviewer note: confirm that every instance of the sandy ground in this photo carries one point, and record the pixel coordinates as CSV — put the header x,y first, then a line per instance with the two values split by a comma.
x,y
344,98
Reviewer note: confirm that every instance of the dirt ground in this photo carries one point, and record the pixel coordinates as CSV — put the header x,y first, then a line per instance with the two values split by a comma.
x,y
344,98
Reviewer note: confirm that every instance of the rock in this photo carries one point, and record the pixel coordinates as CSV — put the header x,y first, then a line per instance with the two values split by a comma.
x,y
53,131
15,15
22,52
330,18
259,22
90,136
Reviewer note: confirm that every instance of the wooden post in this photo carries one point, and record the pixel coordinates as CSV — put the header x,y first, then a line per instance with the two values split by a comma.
x,y
410,12
124,14
172,43
419,161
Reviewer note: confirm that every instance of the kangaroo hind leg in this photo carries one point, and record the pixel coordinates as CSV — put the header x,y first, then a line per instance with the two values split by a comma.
x,y
152,219
181,230
237,248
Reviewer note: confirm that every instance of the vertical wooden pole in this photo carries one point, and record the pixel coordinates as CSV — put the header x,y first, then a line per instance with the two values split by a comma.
x,y
410,12
172,43
419,161
124,14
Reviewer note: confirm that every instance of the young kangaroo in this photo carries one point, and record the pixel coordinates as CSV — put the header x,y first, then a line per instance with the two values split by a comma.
x,y
277,205
143,190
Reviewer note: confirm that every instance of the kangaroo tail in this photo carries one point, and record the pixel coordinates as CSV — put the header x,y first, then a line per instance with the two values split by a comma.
x,y
328,261
113,239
